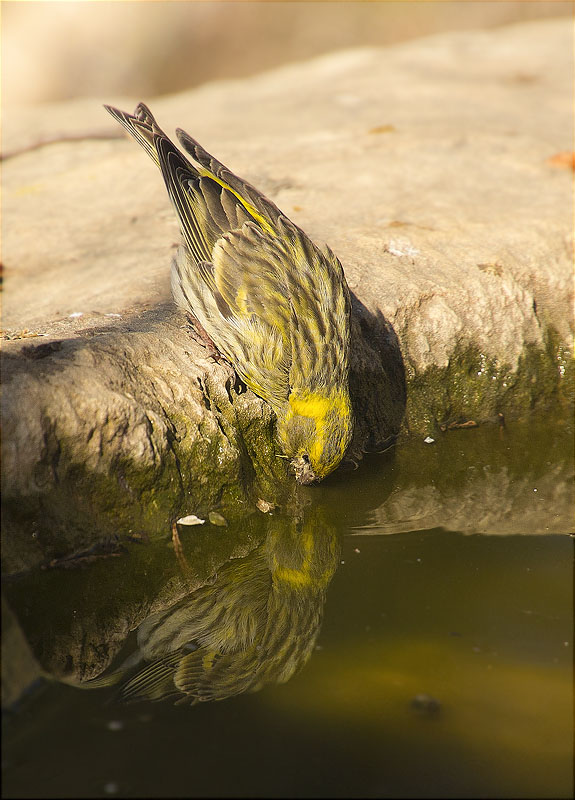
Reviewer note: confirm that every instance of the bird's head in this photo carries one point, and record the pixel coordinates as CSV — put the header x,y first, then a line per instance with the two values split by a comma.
x,y
314,431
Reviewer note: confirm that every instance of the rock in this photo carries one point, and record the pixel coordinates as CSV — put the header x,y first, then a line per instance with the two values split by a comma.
x,y
217,519
430,170
499,481
55,52
20,669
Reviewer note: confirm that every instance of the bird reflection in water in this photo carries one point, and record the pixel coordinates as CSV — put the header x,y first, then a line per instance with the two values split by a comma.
x,y
256,623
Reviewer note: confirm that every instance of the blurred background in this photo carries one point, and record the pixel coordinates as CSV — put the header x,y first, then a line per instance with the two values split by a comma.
x,y
54,51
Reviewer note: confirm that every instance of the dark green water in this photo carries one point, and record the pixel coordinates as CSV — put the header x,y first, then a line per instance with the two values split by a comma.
x,y
441,576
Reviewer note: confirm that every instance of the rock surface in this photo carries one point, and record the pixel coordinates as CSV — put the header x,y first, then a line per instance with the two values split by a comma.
x,y
436,170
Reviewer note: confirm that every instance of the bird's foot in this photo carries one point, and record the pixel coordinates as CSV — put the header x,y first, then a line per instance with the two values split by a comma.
x,y
202,337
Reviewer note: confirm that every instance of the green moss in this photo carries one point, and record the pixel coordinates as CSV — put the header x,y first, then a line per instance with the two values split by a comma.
x,y
231,459
476,387
269,472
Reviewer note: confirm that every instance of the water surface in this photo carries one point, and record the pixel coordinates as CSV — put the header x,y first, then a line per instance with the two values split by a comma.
x,y
423,601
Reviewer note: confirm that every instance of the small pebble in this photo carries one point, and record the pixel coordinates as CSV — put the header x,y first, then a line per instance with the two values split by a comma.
x,y
425,704
429,440
217,519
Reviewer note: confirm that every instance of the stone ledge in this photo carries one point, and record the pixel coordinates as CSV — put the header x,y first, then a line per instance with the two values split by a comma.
x,y
428,168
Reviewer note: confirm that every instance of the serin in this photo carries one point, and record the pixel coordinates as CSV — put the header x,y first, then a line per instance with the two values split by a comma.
x,y
275,305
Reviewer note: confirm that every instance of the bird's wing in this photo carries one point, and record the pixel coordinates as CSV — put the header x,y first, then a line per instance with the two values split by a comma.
x,y
275,305
262,210
277,296
249,274
140,125
211,675
209,199
241,299
154,682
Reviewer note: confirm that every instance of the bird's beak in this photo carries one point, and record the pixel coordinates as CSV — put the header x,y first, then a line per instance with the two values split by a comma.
x,y
303,472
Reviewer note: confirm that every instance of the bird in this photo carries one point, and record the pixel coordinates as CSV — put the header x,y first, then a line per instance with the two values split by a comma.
x,y
255,623
261,294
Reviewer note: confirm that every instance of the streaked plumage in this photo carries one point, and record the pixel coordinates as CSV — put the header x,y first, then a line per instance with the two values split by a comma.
x,y
257,623
274,304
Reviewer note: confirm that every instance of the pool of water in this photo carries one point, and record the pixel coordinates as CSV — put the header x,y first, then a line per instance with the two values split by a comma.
x,y
404,630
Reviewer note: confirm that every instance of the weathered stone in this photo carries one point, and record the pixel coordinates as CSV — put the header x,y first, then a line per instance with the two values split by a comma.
x,y
20,670
427,167
500,480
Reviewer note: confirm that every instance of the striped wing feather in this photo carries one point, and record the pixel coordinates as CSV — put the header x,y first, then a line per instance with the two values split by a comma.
x,y
266,295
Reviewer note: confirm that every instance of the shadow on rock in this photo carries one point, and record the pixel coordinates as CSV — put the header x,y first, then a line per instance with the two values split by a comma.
x,y
377,381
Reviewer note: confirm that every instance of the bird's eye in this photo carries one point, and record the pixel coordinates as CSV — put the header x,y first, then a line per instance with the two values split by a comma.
x,y
305,458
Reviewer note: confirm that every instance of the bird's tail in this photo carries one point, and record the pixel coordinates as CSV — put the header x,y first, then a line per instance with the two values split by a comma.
x,y
142,126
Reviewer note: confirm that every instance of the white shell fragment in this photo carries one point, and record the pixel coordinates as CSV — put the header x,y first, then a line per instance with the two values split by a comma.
x,y
190,519
428,440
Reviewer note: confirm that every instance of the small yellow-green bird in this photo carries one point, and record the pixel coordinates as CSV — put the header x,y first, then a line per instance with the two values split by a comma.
x,y
255,623
275,305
